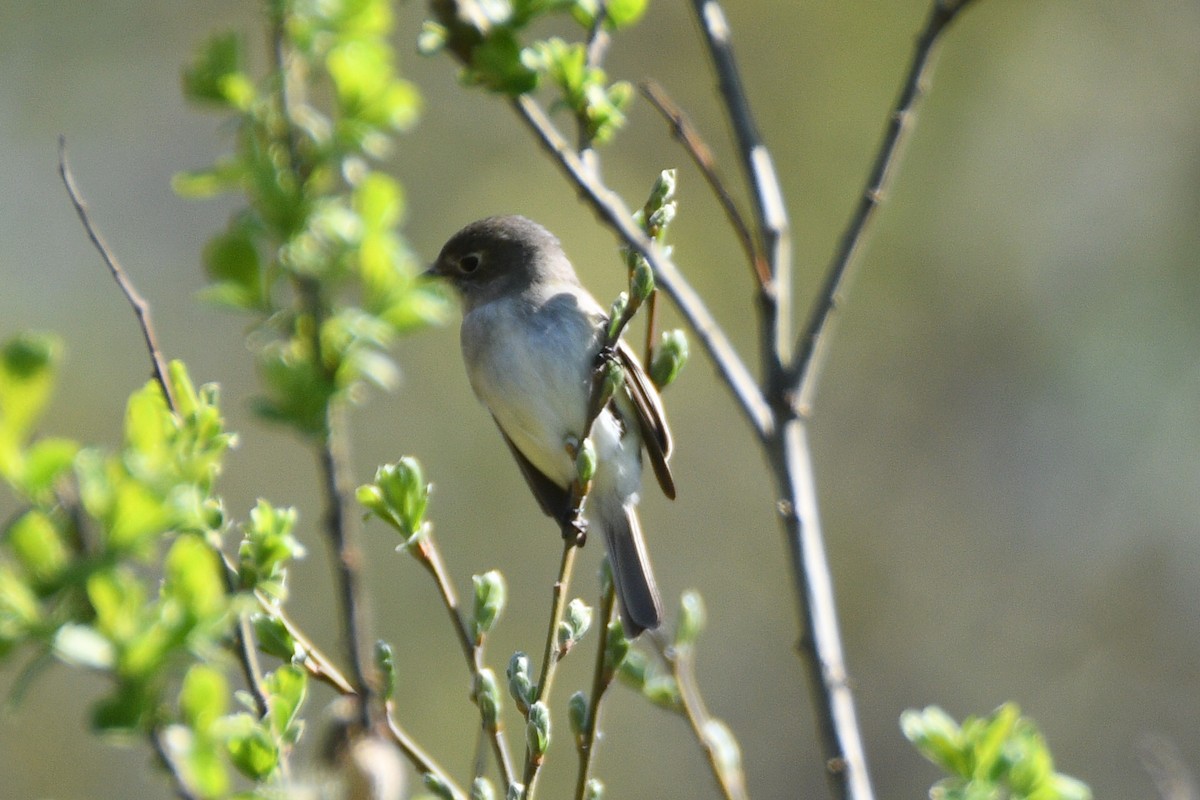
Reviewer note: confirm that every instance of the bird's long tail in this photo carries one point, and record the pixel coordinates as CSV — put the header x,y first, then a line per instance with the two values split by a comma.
x,y
637,593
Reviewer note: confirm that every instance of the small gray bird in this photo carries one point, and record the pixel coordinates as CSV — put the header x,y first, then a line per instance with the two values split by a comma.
x,y
530,337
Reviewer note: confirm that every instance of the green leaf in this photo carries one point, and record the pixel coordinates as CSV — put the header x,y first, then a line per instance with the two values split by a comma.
x,y
192,577
623,13
287,688
498,64
251,748
35,542
28,364
84,646
938,738
216,75
234,266
273,637
203,697
204,768
46,461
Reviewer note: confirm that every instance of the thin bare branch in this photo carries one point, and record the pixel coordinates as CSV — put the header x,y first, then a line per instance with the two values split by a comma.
x,y
804,369
140,307
341,524
430,556
550,655
418,757
774,227
682,661
687,135
601,680
820,643
616,215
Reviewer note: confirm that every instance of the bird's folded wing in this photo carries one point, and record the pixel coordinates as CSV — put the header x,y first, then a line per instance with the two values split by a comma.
x,y
652,419
554,499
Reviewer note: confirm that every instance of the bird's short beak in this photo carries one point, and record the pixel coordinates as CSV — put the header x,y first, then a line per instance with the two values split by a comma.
x,y
431,274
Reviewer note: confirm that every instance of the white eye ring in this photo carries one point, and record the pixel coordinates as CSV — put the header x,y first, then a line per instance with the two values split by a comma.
x,y
469,263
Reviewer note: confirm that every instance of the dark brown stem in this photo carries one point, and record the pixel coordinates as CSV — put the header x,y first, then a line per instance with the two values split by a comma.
x,y
803,371
418,757
140,307
601,680
341,523
687,135
182,791
431,557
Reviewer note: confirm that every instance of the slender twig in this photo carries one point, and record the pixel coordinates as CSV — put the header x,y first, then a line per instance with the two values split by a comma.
x,y
803,371
140,307
732,782
430,556
417,755
601,680
702,156
774,228
550,656
341,523
243,635
615,214
333,446
162,750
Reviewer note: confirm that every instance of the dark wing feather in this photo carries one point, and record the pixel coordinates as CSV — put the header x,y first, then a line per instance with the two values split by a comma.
x,y
554,499
652,420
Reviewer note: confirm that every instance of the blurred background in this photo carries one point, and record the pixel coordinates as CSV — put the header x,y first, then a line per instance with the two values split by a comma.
x,y
1007,434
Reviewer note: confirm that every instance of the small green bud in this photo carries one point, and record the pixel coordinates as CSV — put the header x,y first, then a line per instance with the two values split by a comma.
x,y
385,660
487,697
616,316
614,379
579,617
537,730
585,462
669,358
606,580
593,790
663,691
691,619
634,669
520,685
577,716
663,191
660,220
490,595
398,496
438,786
481,789
617,648
641,282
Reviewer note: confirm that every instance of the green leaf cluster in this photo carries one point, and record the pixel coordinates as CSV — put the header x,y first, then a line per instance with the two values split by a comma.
x,y
488,38
1001,756
112,564
315,255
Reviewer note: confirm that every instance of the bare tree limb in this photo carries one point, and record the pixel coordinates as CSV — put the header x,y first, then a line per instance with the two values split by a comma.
x,y
774,228
706,162
418,757
140,307
803,371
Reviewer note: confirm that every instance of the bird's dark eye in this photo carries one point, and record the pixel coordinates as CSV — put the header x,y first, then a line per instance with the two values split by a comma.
x,y
469,263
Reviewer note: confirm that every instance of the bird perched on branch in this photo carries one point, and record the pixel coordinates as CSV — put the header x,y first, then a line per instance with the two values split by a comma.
x,y
531,337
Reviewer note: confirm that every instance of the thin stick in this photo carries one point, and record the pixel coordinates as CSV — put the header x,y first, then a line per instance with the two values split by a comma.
x,y
601,680
182,790
702,156
340,528
140,307
683,669
550,658
243,636
430,555
614,213
417,755
803,371
774,228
